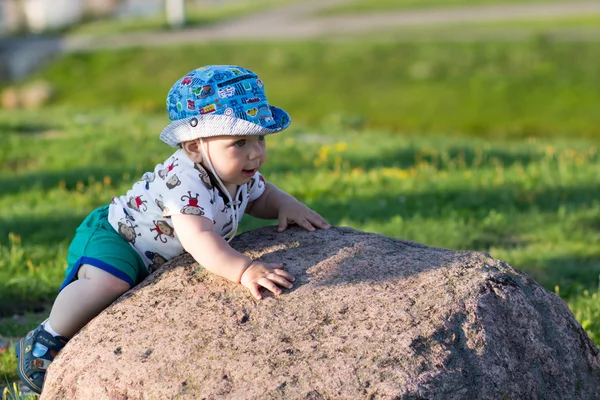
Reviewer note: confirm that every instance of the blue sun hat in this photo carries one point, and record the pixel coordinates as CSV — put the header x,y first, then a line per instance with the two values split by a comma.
x,y
219,100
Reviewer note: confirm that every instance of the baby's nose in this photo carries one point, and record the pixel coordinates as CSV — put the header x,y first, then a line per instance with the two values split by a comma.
x,y
257,151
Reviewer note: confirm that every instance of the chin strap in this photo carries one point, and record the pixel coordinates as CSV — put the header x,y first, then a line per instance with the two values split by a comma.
x,y
234,204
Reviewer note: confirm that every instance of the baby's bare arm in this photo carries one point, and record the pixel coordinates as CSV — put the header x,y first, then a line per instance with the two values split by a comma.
x,y
214,253
275,203
209,249
268,204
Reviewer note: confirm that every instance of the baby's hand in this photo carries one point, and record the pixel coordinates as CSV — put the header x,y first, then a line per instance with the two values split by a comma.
x,y
267,275
294,211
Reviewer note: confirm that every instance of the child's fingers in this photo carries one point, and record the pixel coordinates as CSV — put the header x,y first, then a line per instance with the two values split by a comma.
x,y
281,281
283,224
274,265
319,221
255,292
285,274
303,222
269,285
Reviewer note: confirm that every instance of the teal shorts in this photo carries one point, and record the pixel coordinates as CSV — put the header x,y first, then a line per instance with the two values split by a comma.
x,y
97,243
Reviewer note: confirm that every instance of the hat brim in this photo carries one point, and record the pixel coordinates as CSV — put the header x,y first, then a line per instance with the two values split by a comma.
x,y
211,125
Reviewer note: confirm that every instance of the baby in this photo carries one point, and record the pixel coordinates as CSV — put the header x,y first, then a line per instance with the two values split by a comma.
x,y
191,202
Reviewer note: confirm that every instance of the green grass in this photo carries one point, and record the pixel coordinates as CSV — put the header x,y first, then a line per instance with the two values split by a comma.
x,y
587,26
366,6
197,15
496,89
12,392
587,312
519,177
480,33
573,21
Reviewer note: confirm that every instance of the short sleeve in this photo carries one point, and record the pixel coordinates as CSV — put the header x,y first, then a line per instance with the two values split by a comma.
x,y
186,192
256,186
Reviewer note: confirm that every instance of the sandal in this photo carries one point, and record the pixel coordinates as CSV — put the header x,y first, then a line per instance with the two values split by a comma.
x,y
35,352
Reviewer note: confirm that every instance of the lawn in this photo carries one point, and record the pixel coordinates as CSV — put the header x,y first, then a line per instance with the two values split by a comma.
x,y
565,27
366,6
205,13
493,89
470,146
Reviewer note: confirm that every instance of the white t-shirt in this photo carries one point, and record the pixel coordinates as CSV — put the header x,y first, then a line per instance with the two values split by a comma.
x,y
178,186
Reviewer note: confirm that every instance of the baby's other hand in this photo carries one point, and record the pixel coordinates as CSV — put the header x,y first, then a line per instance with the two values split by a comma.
x,y
267,275
295,211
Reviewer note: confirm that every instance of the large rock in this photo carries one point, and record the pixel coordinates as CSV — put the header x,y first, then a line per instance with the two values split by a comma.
x,y
369,317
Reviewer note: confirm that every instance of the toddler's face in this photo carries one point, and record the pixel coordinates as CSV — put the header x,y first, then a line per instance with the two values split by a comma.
x,y
236,158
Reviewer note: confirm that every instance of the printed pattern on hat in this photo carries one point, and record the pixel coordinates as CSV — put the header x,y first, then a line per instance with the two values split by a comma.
x,y
221,90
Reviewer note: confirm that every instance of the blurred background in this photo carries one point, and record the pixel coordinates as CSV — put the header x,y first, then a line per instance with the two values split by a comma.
x,y
471,125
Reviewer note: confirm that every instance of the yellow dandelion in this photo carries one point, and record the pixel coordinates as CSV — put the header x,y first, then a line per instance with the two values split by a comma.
x,y
394,173
357,172
341,146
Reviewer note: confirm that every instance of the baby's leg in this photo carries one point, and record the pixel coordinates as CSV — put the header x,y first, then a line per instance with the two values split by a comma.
x,y
81,300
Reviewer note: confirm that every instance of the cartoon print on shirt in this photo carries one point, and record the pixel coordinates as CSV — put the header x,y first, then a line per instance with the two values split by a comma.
x,y
162,228
225,201
157,260
148,177
186,189
127,231
165,210
192,208
164,172
127,215
137,202
250,185
173,182
203,176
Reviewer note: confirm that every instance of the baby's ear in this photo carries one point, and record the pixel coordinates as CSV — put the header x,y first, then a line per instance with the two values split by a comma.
x,y
193,150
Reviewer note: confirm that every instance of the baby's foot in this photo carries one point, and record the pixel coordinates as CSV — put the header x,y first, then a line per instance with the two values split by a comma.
x,y
35,353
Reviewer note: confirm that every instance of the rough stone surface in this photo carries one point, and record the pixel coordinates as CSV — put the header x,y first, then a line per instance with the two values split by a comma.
x,y
370,317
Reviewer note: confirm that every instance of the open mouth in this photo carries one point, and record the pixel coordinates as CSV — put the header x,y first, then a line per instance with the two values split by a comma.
x,y
249,172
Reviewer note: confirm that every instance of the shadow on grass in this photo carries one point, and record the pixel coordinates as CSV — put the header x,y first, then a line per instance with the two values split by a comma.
x,y
17,304
405,158
48,231
461,202
28,292
24,128
67,179
571,274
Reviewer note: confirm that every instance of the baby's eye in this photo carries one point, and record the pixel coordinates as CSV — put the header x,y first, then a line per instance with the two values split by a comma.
x,y
240,143
261,138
